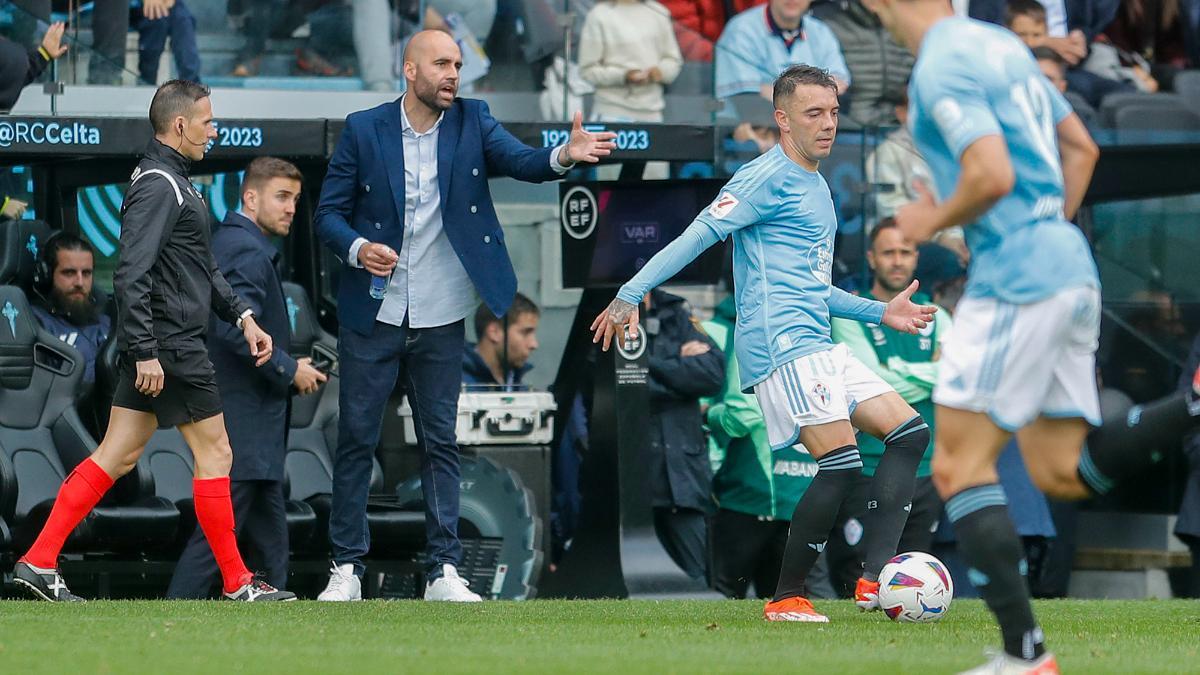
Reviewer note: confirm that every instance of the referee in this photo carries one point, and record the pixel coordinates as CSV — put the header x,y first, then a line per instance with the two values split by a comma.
x,y
166,283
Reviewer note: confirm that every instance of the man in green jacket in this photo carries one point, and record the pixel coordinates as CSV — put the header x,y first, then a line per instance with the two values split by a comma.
x,y
756,489
909,364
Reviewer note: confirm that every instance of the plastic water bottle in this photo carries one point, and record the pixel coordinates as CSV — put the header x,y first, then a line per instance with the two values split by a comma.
x,y
379,286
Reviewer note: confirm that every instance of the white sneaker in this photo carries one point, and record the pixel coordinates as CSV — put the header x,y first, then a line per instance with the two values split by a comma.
x,y
1003,664
344,585
450,588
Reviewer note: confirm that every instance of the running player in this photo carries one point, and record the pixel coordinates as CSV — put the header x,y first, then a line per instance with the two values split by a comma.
x,y
1015,163
780,213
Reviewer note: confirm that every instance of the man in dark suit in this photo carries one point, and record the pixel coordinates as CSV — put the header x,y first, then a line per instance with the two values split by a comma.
x,y
406,200
255,400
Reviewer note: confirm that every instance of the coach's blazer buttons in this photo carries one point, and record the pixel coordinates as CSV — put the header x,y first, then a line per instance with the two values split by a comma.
x,y
474,172
487,239
367,188
378,226
473,208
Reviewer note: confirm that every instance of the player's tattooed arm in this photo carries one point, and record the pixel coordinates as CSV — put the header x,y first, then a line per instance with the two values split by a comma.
x,y
616,318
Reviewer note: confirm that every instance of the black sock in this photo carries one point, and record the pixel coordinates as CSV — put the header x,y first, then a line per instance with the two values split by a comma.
x,y
990,545
813,518
1125,446
891,493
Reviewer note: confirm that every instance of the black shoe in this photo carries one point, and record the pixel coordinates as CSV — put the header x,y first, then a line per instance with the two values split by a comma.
x,y
42,584
260,591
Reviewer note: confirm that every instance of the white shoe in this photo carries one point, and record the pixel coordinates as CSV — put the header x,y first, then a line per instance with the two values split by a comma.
x,y
344,585
1003,664
450,588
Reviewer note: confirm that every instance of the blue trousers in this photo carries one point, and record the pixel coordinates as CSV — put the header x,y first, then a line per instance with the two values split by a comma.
x,y
180,25
427,362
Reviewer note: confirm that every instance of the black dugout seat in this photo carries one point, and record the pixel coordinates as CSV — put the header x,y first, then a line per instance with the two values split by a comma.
x,y
43,437
20,242
169,459
312,439
8,505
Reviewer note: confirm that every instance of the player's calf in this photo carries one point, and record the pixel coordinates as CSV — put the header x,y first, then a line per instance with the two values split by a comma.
x,y
891,495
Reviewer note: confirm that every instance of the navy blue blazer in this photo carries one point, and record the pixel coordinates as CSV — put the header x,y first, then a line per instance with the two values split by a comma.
x,y
363,196
255,400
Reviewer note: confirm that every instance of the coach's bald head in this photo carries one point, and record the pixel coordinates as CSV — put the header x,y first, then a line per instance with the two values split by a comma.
x,y
432,60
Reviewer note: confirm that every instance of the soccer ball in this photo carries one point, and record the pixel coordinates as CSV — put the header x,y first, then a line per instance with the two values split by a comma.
x,y
915,587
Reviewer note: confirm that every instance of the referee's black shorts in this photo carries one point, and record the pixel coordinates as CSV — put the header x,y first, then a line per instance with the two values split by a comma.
x,y
189,391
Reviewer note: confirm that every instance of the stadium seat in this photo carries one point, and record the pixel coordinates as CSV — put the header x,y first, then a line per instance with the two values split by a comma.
x,y
313,436
43,437
1113,103
8,504
1187,85
20,241
1157,118
695,78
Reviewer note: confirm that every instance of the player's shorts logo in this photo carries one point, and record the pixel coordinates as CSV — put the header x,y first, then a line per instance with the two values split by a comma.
x,y
821,394
723,205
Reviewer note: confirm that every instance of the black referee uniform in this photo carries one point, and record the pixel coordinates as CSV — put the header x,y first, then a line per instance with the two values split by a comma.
x,y
166,283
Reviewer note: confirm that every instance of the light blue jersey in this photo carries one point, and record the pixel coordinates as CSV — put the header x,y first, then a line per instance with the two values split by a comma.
x,y
782,220
974,79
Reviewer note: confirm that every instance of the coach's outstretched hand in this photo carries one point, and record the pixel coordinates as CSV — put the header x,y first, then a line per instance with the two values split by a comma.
x,y
259,341
904,315
586,146
619,317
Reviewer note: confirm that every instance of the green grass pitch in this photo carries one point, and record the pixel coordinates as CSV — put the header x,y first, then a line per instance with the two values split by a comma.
x,y
623,637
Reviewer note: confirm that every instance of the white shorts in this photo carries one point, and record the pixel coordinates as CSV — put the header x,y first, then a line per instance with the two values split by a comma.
x,y
1019,362
815,389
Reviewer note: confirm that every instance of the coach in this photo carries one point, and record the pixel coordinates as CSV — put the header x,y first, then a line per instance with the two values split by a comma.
x,y
406,199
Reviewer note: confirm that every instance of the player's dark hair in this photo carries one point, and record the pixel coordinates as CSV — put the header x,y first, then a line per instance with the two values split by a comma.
x,y
174,98
1030,8
885,223
521,305
263,169
801,75
1047,54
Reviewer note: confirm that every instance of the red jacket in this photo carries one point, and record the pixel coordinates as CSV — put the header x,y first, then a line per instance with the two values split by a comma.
x,y
698,24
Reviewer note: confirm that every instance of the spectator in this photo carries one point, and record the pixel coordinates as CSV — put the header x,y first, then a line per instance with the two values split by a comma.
x,y
698,24
66,304
500,356
110,23
255,400
257,21
685,365
897,171
628,52
761,42
1054,67
1028,19
1156,39
756,489
878,65
1187,528
18,68
908,363
160,19
479,15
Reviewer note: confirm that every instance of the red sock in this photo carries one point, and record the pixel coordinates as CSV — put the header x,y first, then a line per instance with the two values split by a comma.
x,y
214,511
76,498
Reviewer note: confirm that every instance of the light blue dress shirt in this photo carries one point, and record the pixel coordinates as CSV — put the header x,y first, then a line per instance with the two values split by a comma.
x,y
429,284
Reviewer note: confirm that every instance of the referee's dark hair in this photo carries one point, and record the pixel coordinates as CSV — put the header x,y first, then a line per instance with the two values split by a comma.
x,y
885,223
800,75
173,99
521,305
